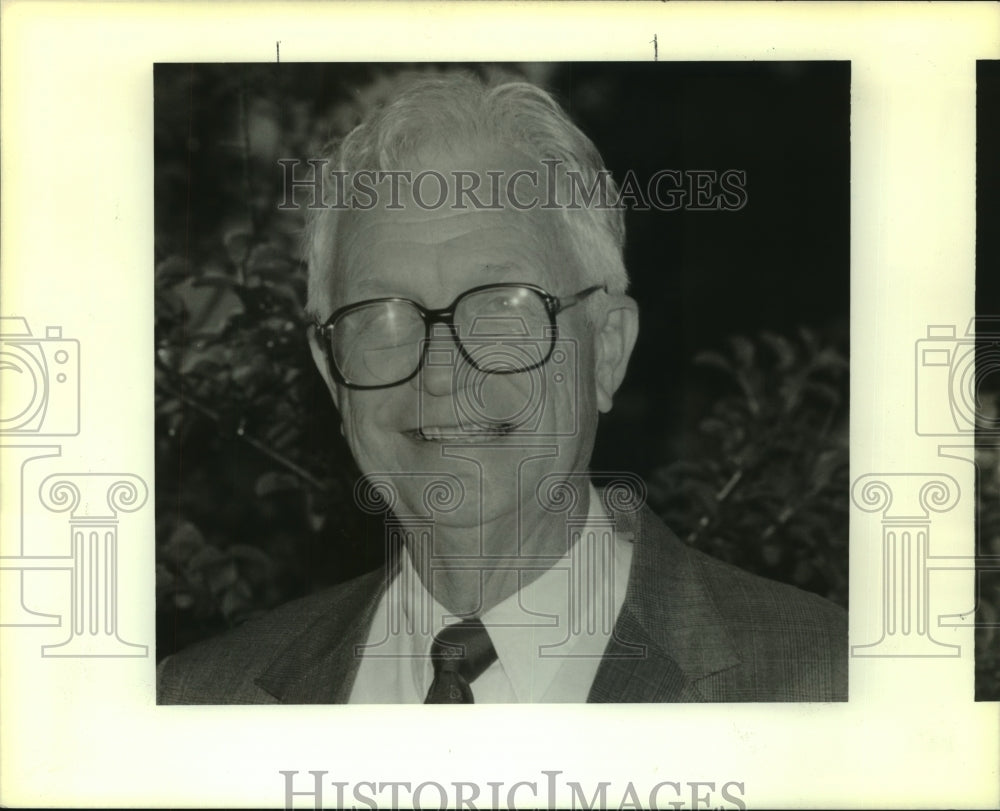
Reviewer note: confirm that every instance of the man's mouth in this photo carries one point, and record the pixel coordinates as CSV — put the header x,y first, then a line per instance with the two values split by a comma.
x,y
466,435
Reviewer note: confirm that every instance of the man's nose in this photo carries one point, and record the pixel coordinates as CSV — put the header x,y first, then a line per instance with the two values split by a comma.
x,y
442,362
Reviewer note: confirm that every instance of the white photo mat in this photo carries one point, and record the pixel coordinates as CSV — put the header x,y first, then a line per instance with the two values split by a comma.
x,y
77,252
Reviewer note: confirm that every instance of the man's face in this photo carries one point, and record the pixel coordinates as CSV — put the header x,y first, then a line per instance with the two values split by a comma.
x,y
445,420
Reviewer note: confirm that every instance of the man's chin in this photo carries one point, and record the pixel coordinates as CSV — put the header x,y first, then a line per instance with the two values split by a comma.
x,y
461,511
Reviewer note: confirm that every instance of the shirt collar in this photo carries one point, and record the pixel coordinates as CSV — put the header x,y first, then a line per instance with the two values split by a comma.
x,y
567,612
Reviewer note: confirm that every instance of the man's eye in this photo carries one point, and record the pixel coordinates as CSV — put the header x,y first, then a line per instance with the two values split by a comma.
x,y
498,304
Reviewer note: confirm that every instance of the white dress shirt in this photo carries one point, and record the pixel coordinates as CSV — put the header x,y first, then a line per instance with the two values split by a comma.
x,y
549,636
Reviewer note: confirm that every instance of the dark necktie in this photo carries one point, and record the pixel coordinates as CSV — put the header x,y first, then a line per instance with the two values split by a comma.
x,y
460,653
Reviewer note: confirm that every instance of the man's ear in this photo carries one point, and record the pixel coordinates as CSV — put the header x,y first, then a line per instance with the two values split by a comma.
x,y
319,358
617,329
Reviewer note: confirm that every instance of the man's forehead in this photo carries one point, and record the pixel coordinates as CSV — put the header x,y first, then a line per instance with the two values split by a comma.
x,y
384,252
433,225
374,285
489,240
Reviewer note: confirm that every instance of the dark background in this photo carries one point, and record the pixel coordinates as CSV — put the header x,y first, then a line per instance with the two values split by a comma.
x,y
734,409
988,188
988,305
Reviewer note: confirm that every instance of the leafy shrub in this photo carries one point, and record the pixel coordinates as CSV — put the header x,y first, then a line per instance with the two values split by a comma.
x,y
766,484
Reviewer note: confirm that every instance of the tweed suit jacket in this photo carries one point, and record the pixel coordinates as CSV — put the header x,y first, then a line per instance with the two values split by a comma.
x,y
691,629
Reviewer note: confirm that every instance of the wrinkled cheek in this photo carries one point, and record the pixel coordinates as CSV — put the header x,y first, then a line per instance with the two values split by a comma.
x,y
368,445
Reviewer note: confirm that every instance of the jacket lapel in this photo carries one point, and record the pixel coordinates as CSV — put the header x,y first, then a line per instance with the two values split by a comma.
x,y
668,635
319,664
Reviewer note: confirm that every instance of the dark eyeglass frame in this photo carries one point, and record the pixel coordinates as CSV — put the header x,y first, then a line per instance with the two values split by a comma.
x,y
446,315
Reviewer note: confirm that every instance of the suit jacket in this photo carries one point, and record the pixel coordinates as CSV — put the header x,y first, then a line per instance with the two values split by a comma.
x,y
691,629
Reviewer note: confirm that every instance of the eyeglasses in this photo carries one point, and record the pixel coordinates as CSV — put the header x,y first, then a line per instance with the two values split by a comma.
x,y
498,329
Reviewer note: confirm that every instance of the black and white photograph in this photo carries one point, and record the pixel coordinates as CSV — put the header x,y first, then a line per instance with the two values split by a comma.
x,y
502,382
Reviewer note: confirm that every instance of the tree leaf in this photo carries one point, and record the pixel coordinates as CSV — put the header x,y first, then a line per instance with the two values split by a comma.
x,y
715,360
783,349
743,351
236,241
164,579
234,601
183,600
208,555
171,270
223,577
184,542
275,482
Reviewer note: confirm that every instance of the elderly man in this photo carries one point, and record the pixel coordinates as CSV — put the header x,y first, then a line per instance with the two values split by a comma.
x,y
468,289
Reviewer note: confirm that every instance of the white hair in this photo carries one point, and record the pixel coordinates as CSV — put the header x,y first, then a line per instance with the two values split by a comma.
x,y
457,109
